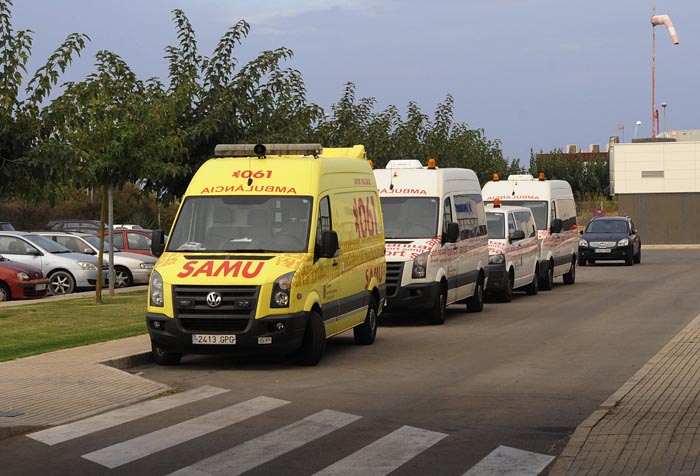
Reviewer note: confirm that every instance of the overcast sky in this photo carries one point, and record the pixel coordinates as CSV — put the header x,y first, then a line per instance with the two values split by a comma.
x,y
534,74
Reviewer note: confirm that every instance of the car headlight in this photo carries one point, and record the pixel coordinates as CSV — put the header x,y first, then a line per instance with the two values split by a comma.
x,y
497,259
623,242
583,243
156,289
146,265
86,265
22,276
420,265
281,289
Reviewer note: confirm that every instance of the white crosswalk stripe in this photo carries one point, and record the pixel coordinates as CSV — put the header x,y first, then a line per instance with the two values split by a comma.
x,y
386,454
260,450
97,423
505,461
128,451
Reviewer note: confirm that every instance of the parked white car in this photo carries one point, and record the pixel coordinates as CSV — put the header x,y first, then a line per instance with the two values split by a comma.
x,y
129,268
67,271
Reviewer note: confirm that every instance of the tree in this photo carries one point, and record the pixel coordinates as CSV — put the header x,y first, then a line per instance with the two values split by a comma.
x,y
20,121
218,103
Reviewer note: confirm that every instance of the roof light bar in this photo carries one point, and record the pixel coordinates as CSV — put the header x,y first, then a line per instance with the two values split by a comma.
x,y
260,150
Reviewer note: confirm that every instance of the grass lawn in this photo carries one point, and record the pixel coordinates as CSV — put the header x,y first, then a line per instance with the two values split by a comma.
x,y
46,326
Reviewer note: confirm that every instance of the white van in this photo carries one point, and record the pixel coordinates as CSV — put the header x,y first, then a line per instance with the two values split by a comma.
x,y
436,237
514,250
552,204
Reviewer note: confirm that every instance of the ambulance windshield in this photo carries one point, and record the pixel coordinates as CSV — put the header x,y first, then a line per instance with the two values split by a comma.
x,y
250,223
410,217
495,224
539,209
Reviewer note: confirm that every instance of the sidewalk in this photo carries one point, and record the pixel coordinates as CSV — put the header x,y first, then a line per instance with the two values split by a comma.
x,y
650,426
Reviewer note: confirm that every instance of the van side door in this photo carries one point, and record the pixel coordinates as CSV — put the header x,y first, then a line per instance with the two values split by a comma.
x,y
326,268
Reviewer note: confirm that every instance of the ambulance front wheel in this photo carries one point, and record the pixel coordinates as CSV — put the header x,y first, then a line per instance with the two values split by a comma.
x,y
163,357
313,345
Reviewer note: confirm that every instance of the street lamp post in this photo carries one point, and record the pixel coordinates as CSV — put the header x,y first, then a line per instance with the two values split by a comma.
x,y
663,106
636,126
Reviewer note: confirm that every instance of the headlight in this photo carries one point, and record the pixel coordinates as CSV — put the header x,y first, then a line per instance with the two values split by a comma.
x,y
87,265
420,265
583,243
497,259
281,289
146,265
623,242
156,289
22,276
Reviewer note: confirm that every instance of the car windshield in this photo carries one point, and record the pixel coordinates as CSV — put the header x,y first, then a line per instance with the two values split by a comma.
x,y
410,217
495,222
607,226
95,242
539,210
47,244
251,223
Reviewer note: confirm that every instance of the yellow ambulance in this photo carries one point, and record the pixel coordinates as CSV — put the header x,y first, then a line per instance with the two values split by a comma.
x,y
275,248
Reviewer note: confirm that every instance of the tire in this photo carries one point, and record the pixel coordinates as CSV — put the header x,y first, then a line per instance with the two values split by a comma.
x,y
547,283
5,294
365,333
60,283
582,261
532,288
122,277
476,302
438,311
570,277
629,258
638,256
507,294
163,357
313,344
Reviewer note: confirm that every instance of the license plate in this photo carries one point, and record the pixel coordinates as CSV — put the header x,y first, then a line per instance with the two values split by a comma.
x,y
40,287
215,339
603,250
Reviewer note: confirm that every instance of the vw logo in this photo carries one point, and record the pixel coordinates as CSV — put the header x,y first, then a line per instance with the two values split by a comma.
x,y
213,299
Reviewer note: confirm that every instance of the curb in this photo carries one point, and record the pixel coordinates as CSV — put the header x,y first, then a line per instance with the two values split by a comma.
x,y
128,361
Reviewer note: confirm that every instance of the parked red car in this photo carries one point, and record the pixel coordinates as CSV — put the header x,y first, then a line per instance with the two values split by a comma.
x,y
133,241
21,281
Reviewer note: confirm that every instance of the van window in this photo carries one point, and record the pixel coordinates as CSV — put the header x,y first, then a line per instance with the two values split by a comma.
x,y
495,224
324,219
410,217
446,214
567,212
539,210
525,223
470,217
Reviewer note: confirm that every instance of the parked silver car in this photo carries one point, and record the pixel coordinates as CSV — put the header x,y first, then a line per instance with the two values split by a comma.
x,y
67,271
129,268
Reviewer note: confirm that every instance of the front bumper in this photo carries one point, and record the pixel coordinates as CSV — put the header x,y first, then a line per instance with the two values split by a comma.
x,y
498,278
615,253
413,297
252,335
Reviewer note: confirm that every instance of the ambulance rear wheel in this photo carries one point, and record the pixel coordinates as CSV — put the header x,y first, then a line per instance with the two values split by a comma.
x,y
366,332
532,288
163,357
507,294
476,302
314,343
570,277
547,283
439,309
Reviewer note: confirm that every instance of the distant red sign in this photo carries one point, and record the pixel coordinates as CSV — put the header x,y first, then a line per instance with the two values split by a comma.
x,y
598,212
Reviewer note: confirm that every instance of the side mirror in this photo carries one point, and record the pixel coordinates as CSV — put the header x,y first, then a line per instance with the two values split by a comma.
x,y
329,244
557,225
516,235
452,233
580,232
157,242
33,251
89,251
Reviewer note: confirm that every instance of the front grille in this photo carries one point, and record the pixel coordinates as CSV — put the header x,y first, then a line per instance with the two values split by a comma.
x,y
393,277
602,244
237,308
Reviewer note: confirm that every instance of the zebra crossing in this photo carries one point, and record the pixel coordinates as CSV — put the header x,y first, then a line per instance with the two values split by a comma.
x,y
378,458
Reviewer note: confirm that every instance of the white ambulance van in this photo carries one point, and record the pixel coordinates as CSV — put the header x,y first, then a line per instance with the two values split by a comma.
x,y
436,237
274,249
514,250
553,206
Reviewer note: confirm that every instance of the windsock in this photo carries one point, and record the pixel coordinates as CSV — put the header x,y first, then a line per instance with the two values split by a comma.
x,y
666,20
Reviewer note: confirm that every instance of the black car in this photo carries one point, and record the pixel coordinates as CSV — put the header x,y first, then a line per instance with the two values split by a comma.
x,y
79,225
610,238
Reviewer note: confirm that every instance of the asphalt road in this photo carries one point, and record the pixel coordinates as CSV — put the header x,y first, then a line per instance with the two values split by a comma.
x,y
521,375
